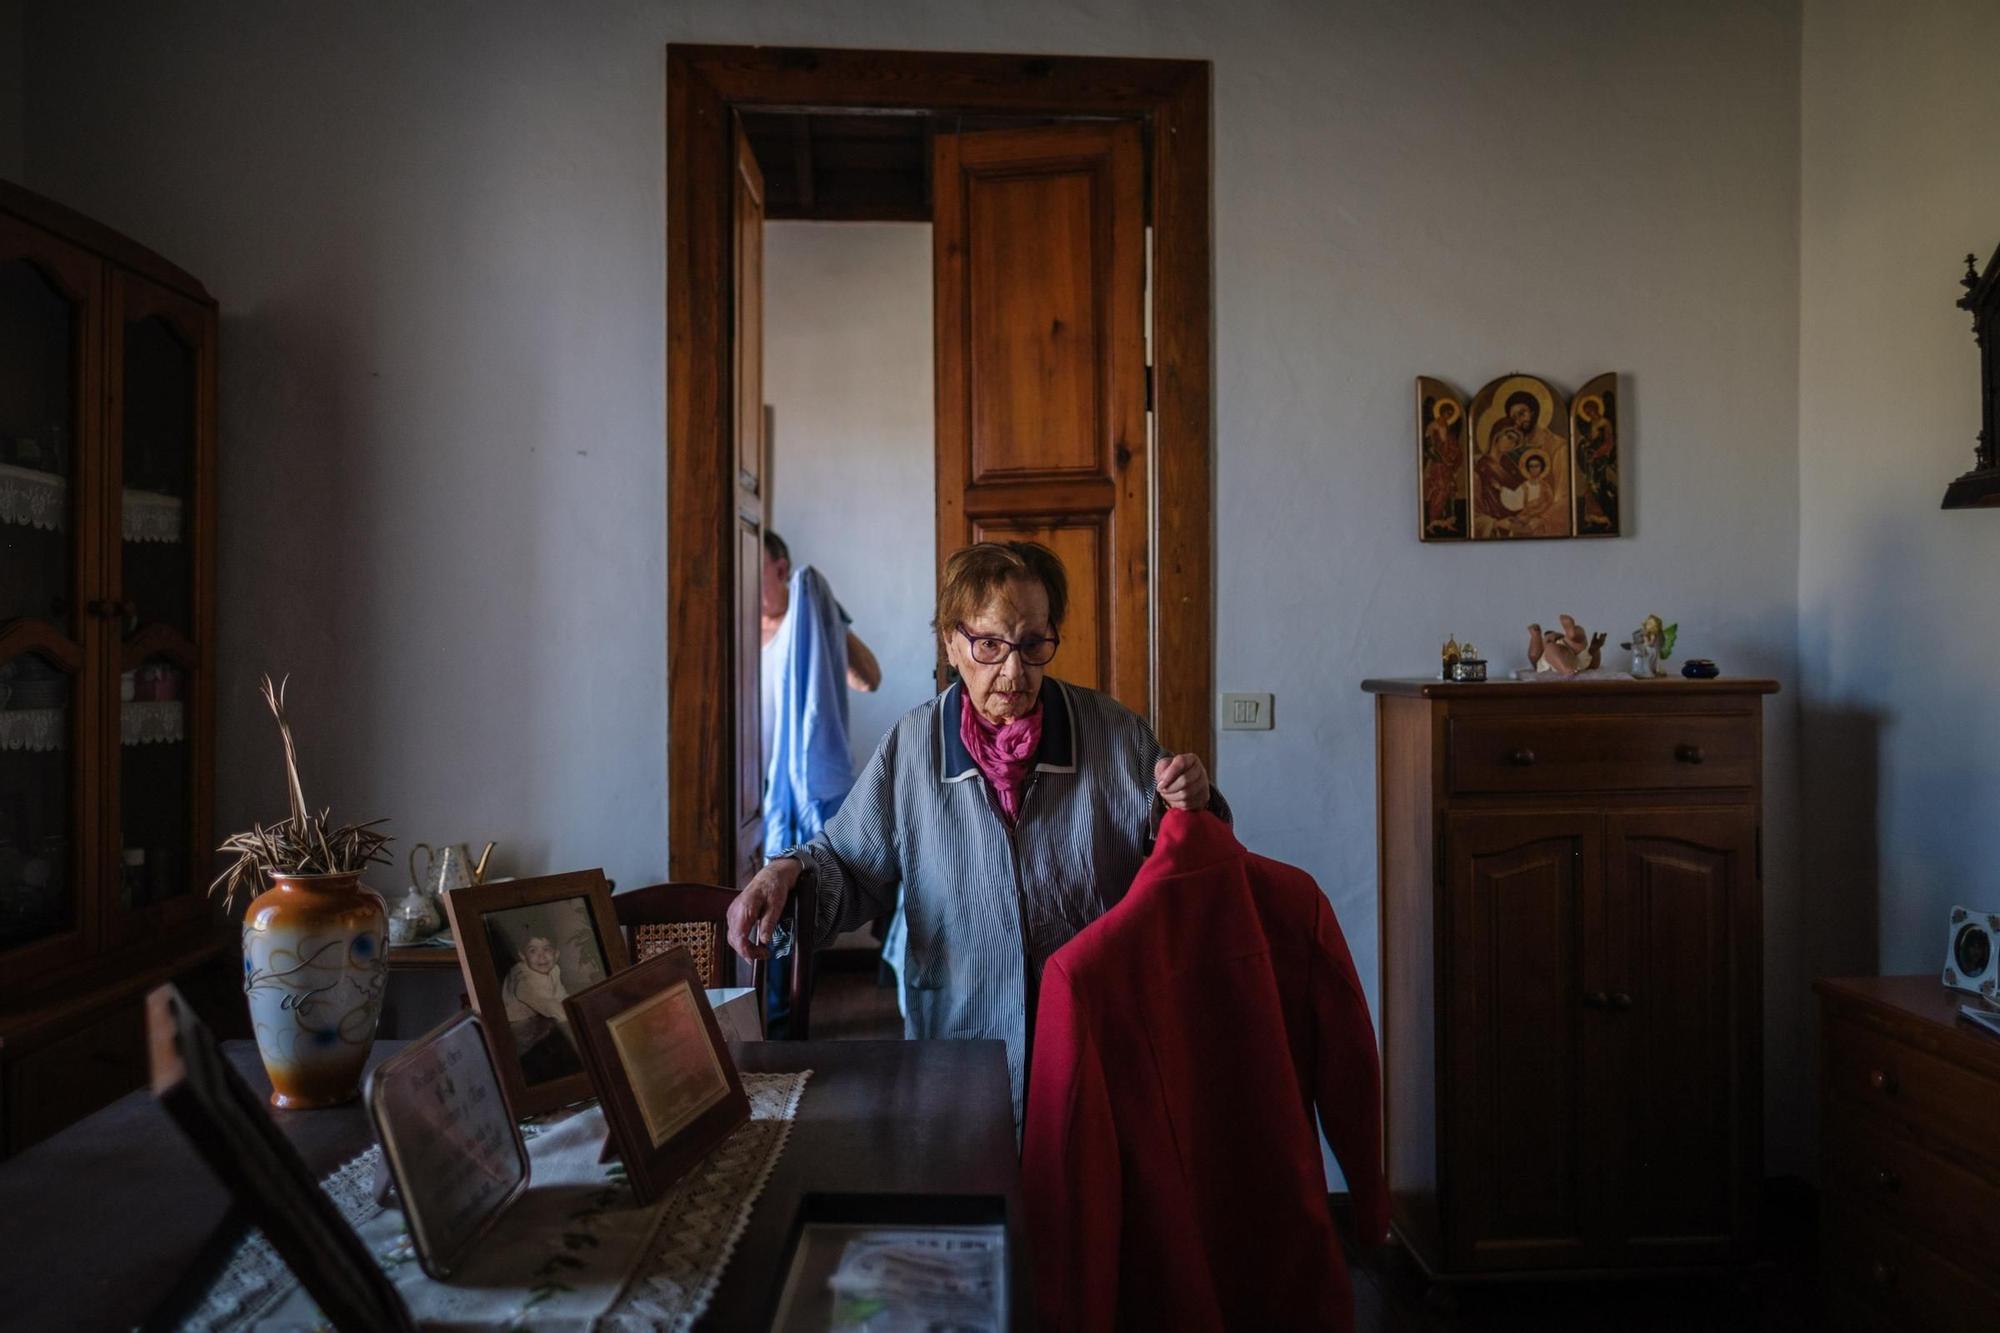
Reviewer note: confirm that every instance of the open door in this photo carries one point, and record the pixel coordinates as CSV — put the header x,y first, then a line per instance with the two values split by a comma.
x,y
747,414
1040,270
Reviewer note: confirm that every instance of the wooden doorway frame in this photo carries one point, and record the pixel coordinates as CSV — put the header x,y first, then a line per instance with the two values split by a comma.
x,y
705,86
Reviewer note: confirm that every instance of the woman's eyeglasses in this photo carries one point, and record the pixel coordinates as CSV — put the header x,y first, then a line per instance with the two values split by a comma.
x,y
991,650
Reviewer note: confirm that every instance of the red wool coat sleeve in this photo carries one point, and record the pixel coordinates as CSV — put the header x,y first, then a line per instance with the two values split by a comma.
x,y
1347,1081
1076,1273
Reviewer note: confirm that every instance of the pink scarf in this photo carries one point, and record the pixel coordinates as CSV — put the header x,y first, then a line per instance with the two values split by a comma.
x,y
1003,752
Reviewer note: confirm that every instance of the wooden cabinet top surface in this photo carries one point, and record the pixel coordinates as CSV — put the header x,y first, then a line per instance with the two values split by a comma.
x,y
1429,687
95,236
1919,1006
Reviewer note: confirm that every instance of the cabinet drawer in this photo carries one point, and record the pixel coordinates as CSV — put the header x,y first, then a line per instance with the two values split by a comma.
x,y
1879,1268
1868,1070
1556,752
1954,1211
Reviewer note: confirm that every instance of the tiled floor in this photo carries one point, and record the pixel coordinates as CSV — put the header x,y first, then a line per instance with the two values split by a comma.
x,y
849,1006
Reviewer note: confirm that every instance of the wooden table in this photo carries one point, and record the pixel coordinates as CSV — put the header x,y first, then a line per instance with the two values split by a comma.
x,y
99,1223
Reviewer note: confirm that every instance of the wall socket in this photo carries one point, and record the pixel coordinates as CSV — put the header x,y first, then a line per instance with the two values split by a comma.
x,y
1246,712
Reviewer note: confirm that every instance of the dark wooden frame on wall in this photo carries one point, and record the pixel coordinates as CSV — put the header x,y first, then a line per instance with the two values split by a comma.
x,y
705,86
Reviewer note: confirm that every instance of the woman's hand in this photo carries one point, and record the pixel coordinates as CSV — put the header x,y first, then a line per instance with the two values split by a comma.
x,y
754,914
1182,782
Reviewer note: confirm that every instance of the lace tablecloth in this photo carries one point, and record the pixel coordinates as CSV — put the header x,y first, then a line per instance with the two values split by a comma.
x,y
574,1252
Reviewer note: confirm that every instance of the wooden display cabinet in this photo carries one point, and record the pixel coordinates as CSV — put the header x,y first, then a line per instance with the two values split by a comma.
x,y
1571,972
107,632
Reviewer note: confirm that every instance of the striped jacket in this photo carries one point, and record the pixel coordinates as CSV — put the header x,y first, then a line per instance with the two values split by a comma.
x,y
987,905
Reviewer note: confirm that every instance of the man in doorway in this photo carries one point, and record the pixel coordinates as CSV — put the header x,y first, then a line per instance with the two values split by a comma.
x,y
864,673
811,657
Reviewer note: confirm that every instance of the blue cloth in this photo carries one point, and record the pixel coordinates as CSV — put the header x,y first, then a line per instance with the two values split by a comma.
x,y
810,771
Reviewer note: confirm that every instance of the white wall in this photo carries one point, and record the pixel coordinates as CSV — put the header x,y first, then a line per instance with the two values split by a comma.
x,y
436,234
847,370
1898,602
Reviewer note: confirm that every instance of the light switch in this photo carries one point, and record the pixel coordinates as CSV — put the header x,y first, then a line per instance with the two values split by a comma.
x,y
1246,712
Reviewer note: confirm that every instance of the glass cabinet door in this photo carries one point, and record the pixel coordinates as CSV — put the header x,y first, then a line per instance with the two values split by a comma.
x,y
51,625
162,358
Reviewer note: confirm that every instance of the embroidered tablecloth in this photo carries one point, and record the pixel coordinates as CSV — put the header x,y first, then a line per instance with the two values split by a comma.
x,y
573,1252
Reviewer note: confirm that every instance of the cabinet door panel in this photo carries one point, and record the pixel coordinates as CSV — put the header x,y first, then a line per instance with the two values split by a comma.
x,y
1518,1164
51,338
158,528
1681,958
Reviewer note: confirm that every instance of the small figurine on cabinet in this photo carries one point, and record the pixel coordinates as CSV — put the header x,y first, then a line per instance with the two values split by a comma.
x,y
1451,655
1567,653
1651,644
1470,668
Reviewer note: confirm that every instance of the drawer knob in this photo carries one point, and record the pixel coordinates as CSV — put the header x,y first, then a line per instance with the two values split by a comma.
x,y
1882,1275
1689,754
1888,1181
1620,1001
1882,1081
1521,758
1596,999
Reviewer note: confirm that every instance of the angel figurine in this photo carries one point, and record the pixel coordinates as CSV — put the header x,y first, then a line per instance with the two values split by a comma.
x,y
1651,644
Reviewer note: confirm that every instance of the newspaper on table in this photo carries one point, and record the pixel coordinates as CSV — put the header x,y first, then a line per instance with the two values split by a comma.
x,y
919,1281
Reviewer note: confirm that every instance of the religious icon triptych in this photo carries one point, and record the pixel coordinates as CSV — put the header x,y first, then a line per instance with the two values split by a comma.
x,y
1519,460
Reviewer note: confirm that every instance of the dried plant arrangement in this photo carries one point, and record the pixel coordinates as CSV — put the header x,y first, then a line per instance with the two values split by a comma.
x,y
301,844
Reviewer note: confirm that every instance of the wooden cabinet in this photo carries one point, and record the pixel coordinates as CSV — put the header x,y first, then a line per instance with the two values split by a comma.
x,y
107,555
1571,982
1910,1172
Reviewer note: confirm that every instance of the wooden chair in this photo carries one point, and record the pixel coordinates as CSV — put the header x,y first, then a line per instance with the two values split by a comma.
x,y
695,917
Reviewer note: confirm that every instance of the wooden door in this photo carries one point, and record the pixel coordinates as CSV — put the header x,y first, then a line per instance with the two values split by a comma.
x,y
159,530
747,415
52,608
1040,274
1523,895
1682,946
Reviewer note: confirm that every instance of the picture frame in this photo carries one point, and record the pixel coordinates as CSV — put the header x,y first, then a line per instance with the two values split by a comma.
x,y
826,1225
1518,439
449,1140
232,1130
1595,445
524,946
1444,472
663,1073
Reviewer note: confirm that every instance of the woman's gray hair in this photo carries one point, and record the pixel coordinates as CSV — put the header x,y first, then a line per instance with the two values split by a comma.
x,y
974,574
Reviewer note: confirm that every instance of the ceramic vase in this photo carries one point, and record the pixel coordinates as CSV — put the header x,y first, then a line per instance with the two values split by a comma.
x,y
315,961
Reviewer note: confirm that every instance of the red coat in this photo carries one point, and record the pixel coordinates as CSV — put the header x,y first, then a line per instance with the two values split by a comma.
x,y
1170,1168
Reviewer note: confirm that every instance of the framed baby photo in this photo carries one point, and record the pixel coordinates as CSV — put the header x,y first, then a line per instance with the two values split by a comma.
x,y
524,947
669,1089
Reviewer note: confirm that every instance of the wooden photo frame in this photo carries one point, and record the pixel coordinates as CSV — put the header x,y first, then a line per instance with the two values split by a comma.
x,y
663,1073
524,946
233,1132
449,1139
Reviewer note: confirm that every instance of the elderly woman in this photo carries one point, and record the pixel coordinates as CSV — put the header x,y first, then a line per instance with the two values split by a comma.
x,y
1011,811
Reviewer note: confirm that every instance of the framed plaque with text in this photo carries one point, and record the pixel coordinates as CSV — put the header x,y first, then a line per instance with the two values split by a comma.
x,y
662,1072
449,1139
